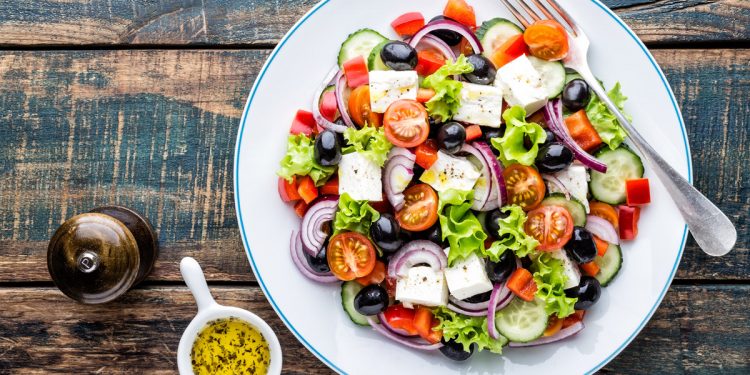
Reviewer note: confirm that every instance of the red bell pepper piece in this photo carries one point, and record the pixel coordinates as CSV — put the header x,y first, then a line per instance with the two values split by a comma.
x,y
462,12
628,217
522,284
582,131
637,192
427,153
408,24
306,189
328,106
473,132
331,187
356,72
304,123
288,190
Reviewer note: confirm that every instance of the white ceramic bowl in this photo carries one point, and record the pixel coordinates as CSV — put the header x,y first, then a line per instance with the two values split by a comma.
x,y
313,312
209,310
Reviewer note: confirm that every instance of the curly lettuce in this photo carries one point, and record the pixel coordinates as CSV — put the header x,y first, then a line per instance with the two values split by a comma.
x,y
368,141
467,330
550,279
354,216
459,225
511,144
300,161
511,235
604,121
446,101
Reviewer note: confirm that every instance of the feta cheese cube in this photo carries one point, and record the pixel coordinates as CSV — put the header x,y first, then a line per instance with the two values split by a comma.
x,y
360,178
521,84
467,277
576,180
450,172
570,268
388,86
481,105
422,286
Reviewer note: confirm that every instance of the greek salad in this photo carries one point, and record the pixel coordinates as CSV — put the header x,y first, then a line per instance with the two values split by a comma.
x,y
465,189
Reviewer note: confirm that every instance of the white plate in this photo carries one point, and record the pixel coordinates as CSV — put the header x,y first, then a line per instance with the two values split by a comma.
x,y
313,312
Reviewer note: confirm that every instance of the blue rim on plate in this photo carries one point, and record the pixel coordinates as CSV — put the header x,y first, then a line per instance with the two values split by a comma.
x,y
250,254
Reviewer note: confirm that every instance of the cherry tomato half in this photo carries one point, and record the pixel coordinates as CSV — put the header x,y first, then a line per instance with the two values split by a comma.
x,y
406,123
552,226
350,255
524,185
420,210
605,212
547,40
359,108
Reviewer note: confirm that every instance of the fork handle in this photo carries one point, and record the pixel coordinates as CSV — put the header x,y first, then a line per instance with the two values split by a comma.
x,y
710,227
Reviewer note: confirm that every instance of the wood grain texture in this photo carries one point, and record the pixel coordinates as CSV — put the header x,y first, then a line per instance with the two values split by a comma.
x,y
140,332
261,23
155,130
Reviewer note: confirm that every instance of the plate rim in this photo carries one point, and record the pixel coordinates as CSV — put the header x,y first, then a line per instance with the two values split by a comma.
x,y
248,251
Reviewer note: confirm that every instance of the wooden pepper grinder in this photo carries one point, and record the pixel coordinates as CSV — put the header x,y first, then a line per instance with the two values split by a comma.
x,y
98,256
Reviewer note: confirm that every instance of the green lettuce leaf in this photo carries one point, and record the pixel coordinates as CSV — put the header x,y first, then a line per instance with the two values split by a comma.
x,y
604,121
300,160
446,101
510,145
369,141
511,235
467,330
459,225
354,216
550,280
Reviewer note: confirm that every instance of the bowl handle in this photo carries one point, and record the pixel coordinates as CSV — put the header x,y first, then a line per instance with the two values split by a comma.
x,y
193,275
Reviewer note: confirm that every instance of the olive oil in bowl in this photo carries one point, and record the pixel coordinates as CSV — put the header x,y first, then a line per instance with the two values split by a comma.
x,y
230,346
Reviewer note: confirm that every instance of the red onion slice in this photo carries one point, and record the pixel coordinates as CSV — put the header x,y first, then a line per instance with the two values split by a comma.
x,y
399,171
553,117
406,341
470,306
322,121
418,245
451,26
298,258
415,257
496,292
462,311
557,184
562,334
432,41
340,99
311,229
602,229
497,171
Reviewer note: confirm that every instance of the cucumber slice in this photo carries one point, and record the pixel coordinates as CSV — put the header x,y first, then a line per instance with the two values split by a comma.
x,y
374,62
493,33
553,75
609,264
622,164
522,321
349,290
576,208
359,43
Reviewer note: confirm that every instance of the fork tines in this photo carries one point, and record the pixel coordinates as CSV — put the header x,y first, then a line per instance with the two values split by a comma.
x,y
539,10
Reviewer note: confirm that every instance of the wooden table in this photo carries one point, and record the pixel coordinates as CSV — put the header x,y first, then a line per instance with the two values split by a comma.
x,y
137,103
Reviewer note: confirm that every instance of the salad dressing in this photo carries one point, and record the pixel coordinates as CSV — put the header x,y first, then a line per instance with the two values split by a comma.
x,y
230,346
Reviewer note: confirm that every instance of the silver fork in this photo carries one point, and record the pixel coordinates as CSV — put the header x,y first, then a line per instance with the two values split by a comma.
x,y
710,227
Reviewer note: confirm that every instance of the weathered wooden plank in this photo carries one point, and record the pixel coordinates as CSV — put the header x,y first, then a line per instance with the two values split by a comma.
x,y
142,330
220,22
146,129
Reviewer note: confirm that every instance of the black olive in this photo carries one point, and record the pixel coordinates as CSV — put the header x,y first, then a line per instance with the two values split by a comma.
x,y
588,292
484,71
451,137
455,351
491,221
553,157
418,170
581,246
327,151
320,262
371,300
434,127
386,233
451,38
399,56
435,234
488,133
550,137
479,298
576,95
499,271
